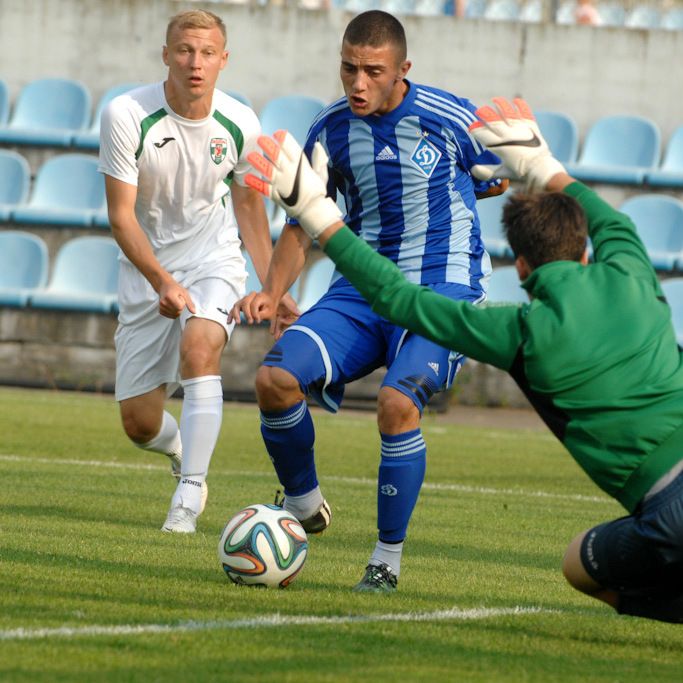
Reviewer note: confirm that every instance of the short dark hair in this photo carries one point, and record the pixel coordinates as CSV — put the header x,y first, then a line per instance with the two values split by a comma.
x,y
545,227
376,28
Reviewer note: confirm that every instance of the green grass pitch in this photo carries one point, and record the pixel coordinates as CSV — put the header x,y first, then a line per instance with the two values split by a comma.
x,y
91,590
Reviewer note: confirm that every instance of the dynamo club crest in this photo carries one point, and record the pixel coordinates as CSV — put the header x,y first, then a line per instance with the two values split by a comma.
x,y
425,156
218,148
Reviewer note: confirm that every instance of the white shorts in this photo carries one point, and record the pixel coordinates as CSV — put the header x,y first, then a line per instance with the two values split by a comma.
x,y
147,343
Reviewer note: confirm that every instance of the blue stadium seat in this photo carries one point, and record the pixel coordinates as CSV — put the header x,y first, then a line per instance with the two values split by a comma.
x,y
659,221
643,16
68,190
612,13
566,13
4,103
15,179
23,266
673,291
672,20
502,10
317,282
398,6
429,8
504,287
531,12
294,113
561,133
490,212
90,139
475,9
670,173
84,278
48,112
618,149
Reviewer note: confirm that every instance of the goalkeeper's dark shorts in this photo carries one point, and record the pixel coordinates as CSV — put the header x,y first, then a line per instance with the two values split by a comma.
x,y
643,552
341,339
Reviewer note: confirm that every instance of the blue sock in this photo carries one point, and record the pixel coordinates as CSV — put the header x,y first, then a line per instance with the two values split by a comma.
x,y
401,473
289,437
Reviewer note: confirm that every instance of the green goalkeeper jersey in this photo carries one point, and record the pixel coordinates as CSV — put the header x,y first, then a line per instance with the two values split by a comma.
x,y
594,351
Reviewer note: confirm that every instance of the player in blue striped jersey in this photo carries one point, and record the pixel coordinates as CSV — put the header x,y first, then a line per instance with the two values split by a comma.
x,y
400,154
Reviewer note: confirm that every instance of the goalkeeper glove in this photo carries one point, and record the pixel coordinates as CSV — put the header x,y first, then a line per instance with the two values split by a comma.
x,y
510,131
298,186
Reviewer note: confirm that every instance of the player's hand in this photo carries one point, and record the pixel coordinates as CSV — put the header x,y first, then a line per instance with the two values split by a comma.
x,y
173,298
287,314
255,306
510,130
298,186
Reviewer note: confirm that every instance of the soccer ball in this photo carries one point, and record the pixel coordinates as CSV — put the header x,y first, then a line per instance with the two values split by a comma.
x,y
263,545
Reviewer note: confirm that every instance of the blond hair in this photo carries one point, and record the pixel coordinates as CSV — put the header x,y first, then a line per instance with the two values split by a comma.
x,y
196,18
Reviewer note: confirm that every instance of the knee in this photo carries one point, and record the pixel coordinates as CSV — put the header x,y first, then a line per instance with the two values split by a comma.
x,y
276,389
573,569
396,413
140,429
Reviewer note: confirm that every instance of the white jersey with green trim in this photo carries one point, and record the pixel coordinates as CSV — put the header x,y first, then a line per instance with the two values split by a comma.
x,y
182,168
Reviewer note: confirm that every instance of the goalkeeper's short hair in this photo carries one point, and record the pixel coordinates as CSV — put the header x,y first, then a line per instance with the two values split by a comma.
x,y
545,227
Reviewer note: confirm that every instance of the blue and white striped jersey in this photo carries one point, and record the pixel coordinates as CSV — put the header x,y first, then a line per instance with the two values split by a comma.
x,y
406,182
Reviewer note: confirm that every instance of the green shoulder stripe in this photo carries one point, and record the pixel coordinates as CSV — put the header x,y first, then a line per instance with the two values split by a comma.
x,y
145,125
232,128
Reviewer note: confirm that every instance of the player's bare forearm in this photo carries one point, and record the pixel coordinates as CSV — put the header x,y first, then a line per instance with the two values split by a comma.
x,y
289,257
253,226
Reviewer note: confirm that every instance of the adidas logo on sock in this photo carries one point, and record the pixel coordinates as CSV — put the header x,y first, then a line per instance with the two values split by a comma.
x,y
434,366
386,154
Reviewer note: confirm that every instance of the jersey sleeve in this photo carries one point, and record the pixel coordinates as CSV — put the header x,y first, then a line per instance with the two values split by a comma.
x,y
119,142
490,334
251,130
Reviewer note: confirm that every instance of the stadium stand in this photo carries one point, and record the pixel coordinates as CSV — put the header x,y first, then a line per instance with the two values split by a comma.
x,y
398,7
643,16
659,221
561,133
490,212
48,111
672,20
531,12
618,149
4,103
504,287
502,10
15,180
612,14
317,281
84,278
429,8
673,291
294,113
670,173
90,139
23,266
68,190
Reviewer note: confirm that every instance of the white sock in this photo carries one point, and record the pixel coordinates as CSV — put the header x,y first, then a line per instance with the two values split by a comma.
x,y
302,507
200,423
188,494
167,441
388,553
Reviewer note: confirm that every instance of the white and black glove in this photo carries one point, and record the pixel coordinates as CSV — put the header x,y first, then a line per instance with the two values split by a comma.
x,y
298,186
510,131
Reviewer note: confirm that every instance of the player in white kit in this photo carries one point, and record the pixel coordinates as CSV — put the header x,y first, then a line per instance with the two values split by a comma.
x,y
174,155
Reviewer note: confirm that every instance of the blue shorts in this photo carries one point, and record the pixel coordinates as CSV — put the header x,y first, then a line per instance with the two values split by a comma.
x,y
341,339
643,552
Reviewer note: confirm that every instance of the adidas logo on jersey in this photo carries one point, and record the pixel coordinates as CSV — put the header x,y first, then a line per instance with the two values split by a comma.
x,y
386,154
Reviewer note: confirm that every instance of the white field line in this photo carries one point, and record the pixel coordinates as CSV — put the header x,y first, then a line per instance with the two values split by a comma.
x,y
271,621
364,481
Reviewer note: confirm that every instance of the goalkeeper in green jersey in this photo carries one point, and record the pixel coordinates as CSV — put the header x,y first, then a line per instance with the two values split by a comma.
x,y
594,350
